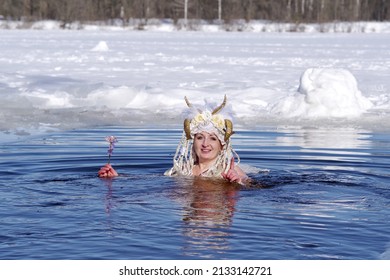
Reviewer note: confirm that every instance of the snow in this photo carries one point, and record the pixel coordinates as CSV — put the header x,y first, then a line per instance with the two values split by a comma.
x,y
101,47
65,79
167,25
324,93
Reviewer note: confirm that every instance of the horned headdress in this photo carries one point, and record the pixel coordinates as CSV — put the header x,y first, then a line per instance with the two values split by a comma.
x,y
210,121
206,120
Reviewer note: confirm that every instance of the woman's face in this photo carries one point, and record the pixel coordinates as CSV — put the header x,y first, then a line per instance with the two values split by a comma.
x,y
206,146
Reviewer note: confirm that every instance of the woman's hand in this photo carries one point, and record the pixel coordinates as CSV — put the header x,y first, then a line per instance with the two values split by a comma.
x,y
107,171
235,174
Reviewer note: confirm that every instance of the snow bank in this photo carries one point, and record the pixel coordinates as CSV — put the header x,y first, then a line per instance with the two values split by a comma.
x,y
165,25
325,93
46,25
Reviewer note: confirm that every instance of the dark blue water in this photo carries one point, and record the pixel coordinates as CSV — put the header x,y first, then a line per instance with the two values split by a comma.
x,y
326,196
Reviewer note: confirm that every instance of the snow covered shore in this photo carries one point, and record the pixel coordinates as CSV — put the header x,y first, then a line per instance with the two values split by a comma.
x,y
167,25
65,79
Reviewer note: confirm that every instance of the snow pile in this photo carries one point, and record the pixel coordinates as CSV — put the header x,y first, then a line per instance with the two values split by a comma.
x,y
101,47
325,93
46,25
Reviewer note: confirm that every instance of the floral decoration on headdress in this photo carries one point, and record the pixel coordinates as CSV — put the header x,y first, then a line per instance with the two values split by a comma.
x,y
209,121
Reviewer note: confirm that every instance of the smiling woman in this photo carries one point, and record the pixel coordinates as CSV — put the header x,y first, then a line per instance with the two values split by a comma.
x,y
205,148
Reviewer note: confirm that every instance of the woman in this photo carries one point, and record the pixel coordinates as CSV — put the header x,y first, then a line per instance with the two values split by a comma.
x,y
205,149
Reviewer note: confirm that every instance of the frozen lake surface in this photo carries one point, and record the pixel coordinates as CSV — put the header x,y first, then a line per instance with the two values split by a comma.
x,y
70,79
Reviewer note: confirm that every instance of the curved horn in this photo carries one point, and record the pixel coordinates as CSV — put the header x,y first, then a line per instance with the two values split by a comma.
x,y
190,105
220,107
229,129
187,128
187,102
